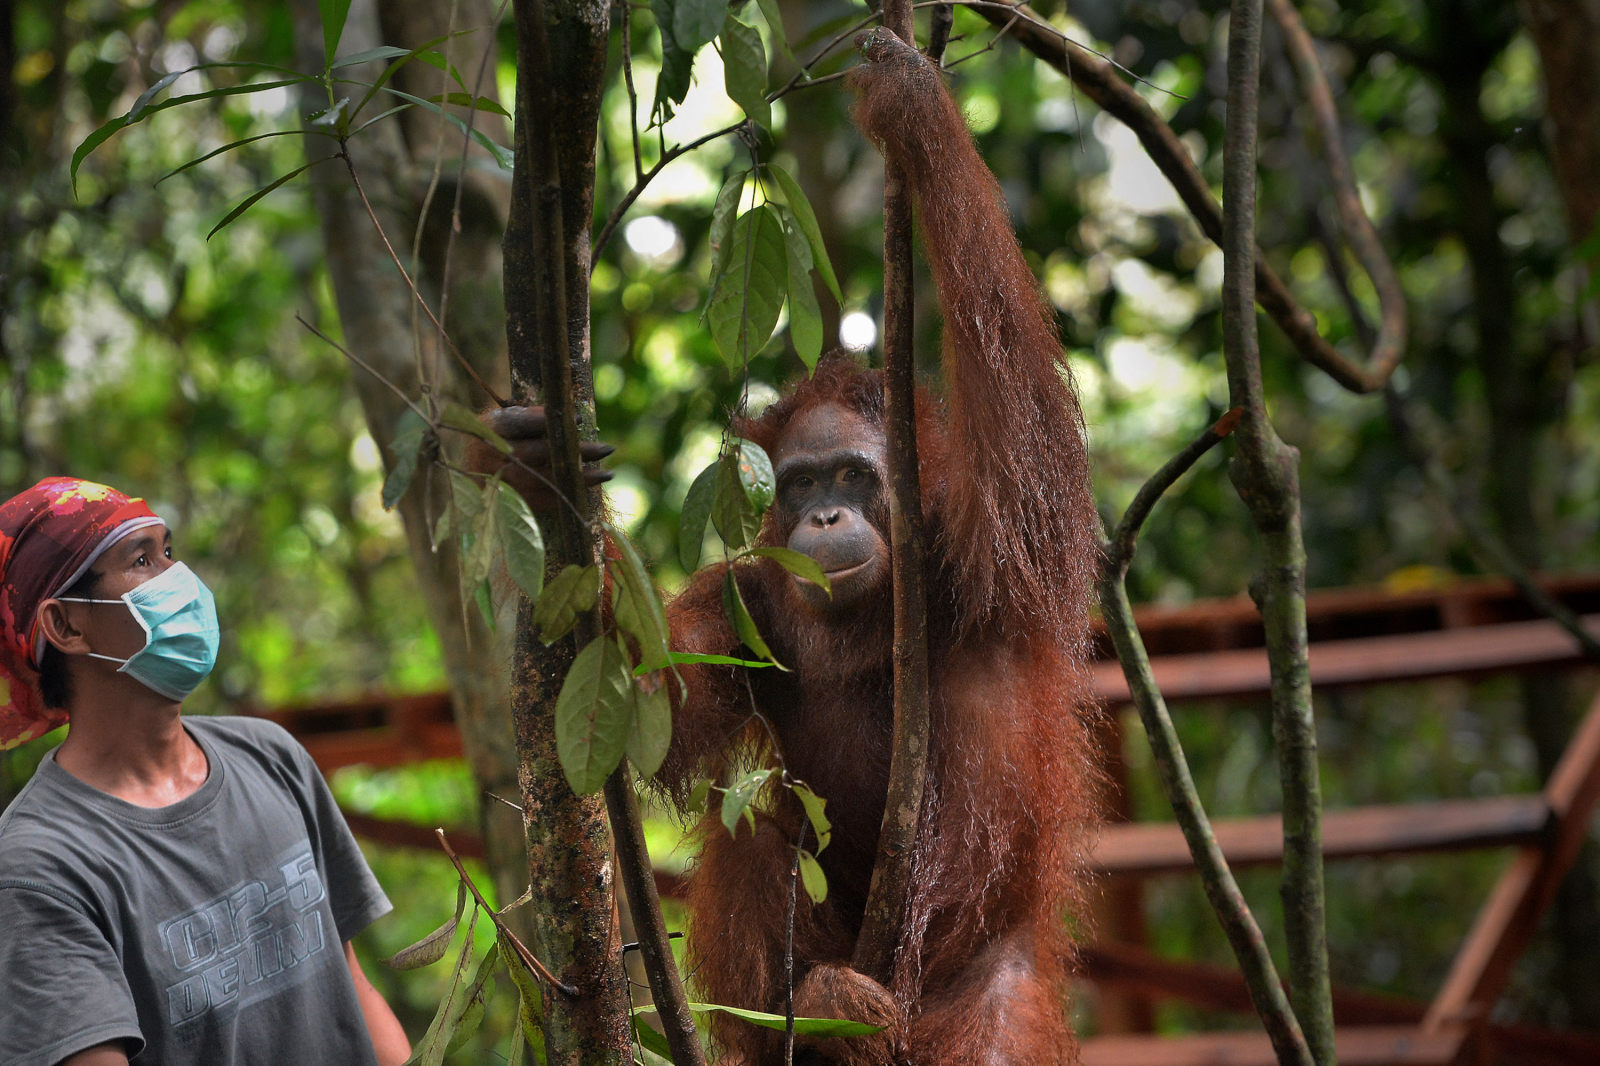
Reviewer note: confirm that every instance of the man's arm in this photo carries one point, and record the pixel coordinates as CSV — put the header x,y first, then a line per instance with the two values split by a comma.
x,y
388,1039
112,1054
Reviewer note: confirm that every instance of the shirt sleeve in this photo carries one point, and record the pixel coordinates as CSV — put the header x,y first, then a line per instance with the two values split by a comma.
x,y
356,898
61,983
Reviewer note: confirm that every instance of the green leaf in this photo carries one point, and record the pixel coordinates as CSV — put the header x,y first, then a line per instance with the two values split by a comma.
x,y
334,13
503,155
807,218
571,592
249,201
743,624
813,878
371,55
696,510
139,112
814,805
677,63
805,1026
744,308
410,429
699,795
744,69
466,493
475,103
594,713
720,237
520,540
530,1006
651,732
696,22
805,317
430,949
653,1044
774,17
798,564
479,543
429,1051
236,144
738,797
735,516
458,417
690,657
639,612
756,478
476,1000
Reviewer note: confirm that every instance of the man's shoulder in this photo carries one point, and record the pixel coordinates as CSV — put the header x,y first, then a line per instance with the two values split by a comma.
x,y
243,733
40,836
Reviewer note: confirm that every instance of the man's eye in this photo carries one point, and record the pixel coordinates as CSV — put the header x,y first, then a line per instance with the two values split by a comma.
x,y
143,560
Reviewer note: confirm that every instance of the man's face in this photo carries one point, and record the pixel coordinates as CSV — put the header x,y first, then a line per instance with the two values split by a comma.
x,y
110,628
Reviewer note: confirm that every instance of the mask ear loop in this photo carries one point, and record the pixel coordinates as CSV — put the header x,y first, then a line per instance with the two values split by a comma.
x,y
137,617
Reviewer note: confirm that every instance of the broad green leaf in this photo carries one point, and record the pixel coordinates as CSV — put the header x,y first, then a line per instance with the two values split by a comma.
x,y
429,1051
808,225
409,432
653,1045
334,13
744,308
738,797
639,612
521,541
814,805
699,795
530,1007
478,550
430,949
744,69
755,475
737,520
798,564
458,417
466,493
441,529
813,878
743,624
805,317
476,1000
141,112
571,592
593,714
677,63
774,17
249,201
720,237
503,155
651,731
696,22
692,521
690,657
804,1026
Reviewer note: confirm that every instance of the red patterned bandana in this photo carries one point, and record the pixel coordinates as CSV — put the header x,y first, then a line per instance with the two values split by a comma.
x,y
49,537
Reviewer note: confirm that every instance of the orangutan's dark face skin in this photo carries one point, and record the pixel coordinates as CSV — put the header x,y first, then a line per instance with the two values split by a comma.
x,y
832,503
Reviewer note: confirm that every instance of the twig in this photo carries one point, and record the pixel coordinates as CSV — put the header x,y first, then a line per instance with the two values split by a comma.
x,y
633,95
527,956
788,951
349,163
667,156
1126,537
358,361
1359,232
1490,549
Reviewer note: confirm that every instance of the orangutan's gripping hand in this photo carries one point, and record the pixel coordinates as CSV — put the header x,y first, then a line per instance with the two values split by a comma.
x,y
529,469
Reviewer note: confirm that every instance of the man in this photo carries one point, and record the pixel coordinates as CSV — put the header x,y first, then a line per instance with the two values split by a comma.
x,y
172,890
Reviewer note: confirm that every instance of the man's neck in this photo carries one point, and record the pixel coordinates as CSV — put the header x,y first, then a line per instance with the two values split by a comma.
x,y
140,754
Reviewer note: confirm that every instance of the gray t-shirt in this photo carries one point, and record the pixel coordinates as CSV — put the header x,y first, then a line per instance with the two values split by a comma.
x,y
208,932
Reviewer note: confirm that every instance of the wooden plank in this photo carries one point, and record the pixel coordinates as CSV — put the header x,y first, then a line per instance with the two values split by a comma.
x,y
1507,922
1150,848
1367,1046
1364,661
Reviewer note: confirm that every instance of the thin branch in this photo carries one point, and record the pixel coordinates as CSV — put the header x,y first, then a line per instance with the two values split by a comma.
x,y
358,361
527,956
1126,537
1489,549
350,165
633,95
1358,228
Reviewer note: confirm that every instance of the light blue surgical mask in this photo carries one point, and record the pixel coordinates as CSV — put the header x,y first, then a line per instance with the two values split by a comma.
x,y
179,618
